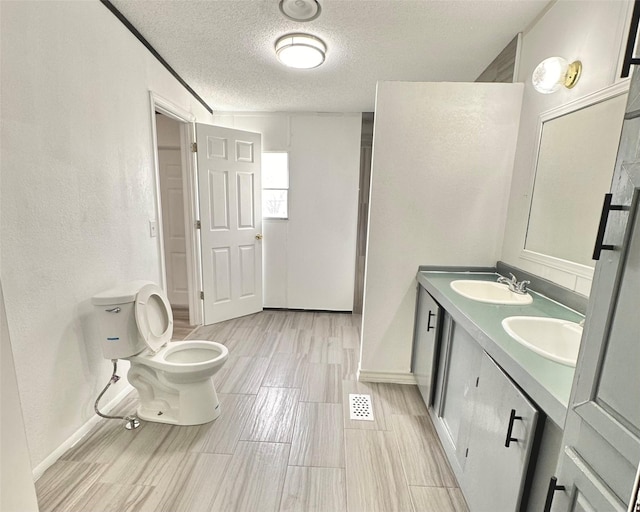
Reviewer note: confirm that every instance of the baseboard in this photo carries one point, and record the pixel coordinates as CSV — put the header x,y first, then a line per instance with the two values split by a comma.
x,y
50,460
388,377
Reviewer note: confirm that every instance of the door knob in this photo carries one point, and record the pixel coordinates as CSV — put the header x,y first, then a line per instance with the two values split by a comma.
x,y
259,236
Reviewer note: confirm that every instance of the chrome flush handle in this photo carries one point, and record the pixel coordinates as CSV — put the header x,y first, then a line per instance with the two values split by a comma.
x,y
113,310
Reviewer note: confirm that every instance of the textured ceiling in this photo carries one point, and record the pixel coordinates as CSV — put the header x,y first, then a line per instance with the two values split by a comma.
x,y
224,48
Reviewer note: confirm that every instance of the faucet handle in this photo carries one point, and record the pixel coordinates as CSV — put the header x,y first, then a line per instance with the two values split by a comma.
x,y
522,286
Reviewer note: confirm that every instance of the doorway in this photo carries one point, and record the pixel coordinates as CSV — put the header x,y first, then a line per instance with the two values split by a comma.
x,y
173,221
177,210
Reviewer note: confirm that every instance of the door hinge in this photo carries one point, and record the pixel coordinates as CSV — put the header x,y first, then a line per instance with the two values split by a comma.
x,y
201,295
198,225
194,147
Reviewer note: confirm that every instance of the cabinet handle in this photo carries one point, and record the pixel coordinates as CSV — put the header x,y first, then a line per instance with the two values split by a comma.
x,y
602,227
429,326
553,487
510,439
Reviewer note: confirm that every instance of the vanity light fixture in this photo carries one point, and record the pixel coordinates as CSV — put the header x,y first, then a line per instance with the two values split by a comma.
x,y
553,73
302,51
300,10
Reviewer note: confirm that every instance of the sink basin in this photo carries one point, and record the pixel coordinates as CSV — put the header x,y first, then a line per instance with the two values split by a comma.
x,y
489,291
555,339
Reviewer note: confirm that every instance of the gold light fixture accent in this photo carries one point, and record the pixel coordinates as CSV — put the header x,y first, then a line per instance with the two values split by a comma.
x,y
554,73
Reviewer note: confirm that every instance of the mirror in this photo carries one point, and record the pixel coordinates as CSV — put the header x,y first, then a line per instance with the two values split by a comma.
x,y
577,149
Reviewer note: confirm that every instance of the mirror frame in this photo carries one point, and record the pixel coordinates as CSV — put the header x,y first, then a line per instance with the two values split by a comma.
x,y
618,89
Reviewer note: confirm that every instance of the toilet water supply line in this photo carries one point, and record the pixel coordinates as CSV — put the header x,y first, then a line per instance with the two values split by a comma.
x,y
131,422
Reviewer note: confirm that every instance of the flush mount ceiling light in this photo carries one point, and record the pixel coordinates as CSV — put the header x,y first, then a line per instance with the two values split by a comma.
x,y
553,73
300,51
300,10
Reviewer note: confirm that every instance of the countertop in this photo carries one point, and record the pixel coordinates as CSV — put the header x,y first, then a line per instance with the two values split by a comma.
x,y
546,382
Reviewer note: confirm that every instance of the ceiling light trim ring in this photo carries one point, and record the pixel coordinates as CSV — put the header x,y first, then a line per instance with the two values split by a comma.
x,y
300,40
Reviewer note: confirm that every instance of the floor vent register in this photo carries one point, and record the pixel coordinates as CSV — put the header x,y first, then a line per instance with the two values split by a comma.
x,y
360,407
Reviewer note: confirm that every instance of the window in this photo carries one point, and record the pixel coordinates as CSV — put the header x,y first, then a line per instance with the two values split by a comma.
x,y
275,185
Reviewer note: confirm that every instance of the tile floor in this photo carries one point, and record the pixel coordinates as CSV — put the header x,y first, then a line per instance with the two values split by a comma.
x,y
284,440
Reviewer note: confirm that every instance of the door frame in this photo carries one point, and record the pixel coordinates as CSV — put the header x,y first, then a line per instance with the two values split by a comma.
x,y
187,122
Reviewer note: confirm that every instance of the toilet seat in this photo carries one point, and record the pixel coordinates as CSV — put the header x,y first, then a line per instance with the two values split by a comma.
x,y
153,316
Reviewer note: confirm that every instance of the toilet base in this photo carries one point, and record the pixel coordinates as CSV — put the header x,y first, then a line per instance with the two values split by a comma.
x,y
161,401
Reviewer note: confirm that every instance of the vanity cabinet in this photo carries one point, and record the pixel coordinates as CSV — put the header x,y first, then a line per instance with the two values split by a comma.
x,y
458,376
485,423
501,434
427,328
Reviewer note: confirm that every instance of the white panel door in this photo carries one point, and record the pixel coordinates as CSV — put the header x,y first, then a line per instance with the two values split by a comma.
x,y
231,221
175,249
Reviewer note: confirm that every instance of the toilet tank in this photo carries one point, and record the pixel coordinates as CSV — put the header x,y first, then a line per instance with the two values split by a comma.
x,y
116,320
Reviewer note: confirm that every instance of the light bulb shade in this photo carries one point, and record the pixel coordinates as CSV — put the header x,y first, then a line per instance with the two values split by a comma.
x,y
300,10
553,73
300,51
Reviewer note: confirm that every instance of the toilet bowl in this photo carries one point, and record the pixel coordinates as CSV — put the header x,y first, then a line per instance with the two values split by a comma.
x,y
173,380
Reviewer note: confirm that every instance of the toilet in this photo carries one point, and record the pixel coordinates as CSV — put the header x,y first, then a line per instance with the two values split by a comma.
x,y
173,380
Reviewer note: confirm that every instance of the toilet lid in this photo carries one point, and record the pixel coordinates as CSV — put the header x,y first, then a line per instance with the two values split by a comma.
x,y
153,315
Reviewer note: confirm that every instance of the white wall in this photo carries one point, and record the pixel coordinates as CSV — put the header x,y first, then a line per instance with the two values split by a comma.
x,y
442,160
593,32
77,196
17,492
309,259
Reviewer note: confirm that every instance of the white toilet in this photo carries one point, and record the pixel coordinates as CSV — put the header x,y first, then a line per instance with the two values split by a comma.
x,y
174,380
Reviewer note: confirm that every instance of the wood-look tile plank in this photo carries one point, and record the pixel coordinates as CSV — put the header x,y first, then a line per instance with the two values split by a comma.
x,y
324,325
244,376
423,458
322,383
402,399
273,415
146,462
374,475
293,341
192,487
107,440
323,350
254,478
128,467
65,482
364,388
438,499
318,437
350,336
286,370
299,320
254,342
314,490
101,497
350,359
222,434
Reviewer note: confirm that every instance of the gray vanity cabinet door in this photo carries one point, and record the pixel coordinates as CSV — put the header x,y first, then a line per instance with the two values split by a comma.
x,y
462,367
602,433
494,474
425,340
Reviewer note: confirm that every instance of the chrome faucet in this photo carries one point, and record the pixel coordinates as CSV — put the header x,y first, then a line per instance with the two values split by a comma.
x,y
514,285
